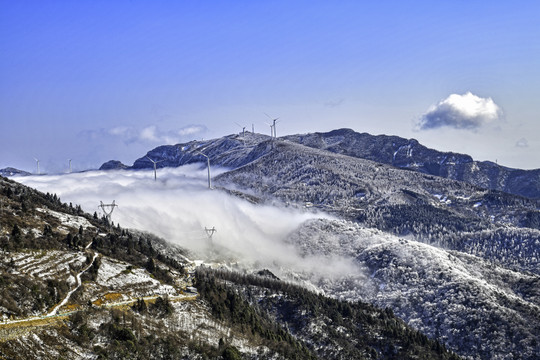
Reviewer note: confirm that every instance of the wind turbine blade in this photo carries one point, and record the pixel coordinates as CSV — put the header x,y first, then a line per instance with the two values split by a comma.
x,y
150,159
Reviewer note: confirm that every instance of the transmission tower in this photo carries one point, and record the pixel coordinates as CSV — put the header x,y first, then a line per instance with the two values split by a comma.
x,y
210,231
107,210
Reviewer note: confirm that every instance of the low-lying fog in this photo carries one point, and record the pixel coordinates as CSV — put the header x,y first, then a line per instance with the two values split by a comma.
x,y
179,206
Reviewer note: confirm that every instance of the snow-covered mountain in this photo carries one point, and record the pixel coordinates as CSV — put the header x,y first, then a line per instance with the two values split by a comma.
x,y
75,287
9,171
235,150
410,154
480,309
455,259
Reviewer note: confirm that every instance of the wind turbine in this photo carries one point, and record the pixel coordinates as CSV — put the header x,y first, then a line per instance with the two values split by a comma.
x,y
243,129
243,133
155,169
69,165
37,162
208,164
271,130
272,126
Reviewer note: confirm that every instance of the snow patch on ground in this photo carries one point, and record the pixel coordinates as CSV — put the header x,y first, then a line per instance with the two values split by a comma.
x,y
119,276
68,220
47,265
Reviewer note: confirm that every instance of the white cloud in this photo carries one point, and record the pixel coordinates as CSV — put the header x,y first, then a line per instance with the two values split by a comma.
x,y
153,134
178,207
120,131
466,111
522,143
191,130
149,134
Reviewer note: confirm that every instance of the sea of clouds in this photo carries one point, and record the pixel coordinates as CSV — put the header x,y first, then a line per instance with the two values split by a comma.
x,y
179,207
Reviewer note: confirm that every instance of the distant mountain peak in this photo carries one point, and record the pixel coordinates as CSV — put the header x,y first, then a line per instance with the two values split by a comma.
x,y
113,165
9,171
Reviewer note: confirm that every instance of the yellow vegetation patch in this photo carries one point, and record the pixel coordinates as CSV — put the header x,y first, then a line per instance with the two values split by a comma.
x,y
113,296
109,297
98,302
18,329
71,307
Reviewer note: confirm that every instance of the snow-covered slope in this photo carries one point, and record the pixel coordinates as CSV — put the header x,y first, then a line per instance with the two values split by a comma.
x,y
81,289
477,308
409,154
457,261
453,214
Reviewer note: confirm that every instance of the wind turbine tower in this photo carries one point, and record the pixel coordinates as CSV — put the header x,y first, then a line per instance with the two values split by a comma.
x,y
275,134
37,163
272,126
243,132
208,165
155,168
69,165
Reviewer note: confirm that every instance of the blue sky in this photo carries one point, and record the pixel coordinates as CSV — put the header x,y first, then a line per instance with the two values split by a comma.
x,y
100,80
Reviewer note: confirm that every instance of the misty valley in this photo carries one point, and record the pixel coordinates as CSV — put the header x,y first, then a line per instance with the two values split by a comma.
x,y
335,245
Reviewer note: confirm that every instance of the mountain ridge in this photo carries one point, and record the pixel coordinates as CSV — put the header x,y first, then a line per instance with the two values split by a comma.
x,y
393,150
410,154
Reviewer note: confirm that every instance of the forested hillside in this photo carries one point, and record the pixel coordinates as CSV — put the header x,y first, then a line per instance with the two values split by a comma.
x,y
76,287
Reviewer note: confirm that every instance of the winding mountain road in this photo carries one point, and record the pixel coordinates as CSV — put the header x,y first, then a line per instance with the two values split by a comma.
x,y
68,295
